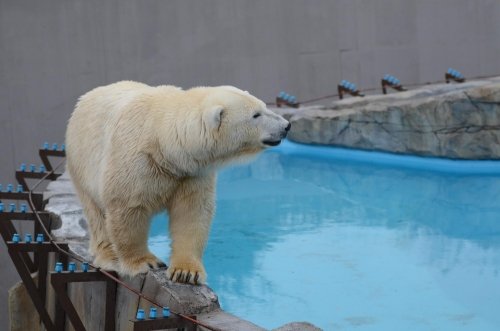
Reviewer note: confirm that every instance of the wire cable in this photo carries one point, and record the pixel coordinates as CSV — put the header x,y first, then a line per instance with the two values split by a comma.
x,y
377,88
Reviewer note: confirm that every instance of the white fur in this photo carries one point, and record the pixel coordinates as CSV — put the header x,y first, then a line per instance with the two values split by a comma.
x,y
133,150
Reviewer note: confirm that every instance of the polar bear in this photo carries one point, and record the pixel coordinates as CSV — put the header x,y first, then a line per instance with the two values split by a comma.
x,y
133,150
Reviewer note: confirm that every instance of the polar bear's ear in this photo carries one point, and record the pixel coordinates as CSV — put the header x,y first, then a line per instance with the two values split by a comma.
x,y
213,117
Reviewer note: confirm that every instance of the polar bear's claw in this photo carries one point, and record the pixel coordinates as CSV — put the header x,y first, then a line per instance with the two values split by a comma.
x,y
195,280
186,276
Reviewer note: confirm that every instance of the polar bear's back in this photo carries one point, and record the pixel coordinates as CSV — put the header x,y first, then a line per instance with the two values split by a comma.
x,y
90,128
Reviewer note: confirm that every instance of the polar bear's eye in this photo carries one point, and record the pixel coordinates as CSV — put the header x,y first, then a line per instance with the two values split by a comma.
x,y
256,115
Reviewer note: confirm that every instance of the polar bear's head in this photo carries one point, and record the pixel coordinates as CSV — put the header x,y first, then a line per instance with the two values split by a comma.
x,y
241,124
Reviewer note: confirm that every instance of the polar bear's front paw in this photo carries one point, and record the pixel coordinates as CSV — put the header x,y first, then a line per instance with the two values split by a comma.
x,y
190,272
105,257
133,266
106,263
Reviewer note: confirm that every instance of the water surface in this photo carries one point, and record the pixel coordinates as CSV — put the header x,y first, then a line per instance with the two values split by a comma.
x,y
355,241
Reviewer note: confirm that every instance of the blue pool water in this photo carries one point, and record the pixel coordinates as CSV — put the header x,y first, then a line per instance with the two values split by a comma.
x,y
355,241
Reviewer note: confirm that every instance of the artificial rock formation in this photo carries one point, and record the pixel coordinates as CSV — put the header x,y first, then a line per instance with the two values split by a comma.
x,y
458,121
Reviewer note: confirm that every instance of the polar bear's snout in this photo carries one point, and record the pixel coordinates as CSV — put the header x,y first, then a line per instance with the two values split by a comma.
x,y
285,130
276,136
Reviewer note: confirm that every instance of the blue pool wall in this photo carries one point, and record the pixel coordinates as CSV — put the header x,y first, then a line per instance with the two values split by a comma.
x,y
441,165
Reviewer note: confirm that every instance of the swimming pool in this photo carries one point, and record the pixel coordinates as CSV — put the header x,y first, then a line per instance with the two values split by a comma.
x,y
355,240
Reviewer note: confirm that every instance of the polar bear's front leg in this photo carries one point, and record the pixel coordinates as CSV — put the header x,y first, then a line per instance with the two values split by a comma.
x,y
128,229
191,210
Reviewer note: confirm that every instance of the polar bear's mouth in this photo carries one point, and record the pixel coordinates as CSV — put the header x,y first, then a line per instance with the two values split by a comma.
x,y
271,142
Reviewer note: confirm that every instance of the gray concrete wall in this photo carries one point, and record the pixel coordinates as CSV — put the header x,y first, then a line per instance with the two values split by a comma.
x,y
53,51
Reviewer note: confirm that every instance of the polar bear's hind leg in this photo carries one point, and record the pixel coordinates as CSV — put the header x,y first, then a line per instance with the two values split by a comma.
x,y
100,246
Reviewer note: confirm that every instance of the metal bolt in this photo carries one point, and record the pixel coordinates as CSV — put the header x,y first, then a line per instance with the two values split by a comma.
x,y
27,238
152,313
140,314
15,238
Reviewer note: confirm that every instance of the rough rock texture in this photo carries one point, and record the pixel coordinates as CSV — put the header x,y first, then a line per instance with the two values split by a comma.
x,y
71,227
459,121
297,326
223,321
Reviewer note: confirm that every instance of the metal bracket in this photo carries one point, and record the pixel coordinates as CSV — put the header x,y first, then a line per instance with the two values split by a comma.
x,y
37,198
385,83
449,77
341,90
44,156
21,177
171,322
282,102
60,280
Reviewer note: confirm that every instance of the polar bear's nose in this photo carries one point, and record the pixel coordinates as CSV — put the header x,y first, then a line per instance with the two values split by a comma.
x,y
288,127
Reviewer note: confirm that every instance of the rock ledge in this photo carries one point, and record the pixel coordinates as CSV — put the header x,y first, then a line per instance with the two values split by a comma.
x,y
457,121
